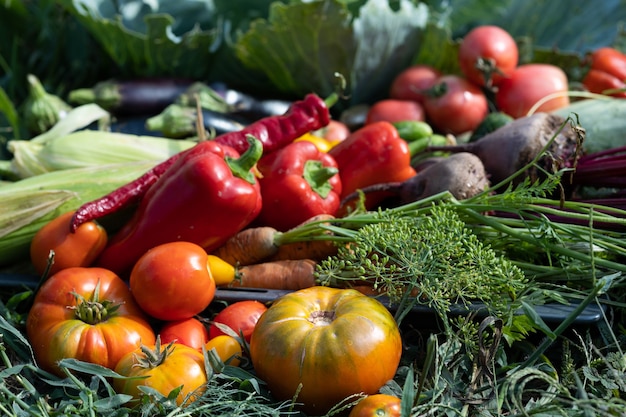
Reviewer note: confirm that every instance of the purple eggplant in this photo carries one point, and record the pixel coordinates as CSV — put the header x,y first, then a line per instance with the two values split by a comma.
x,y
145,96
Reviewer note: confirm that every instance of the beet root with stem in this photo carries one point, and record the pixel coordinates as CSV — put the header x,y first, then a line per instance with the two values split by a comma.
x,y
463,174
510,148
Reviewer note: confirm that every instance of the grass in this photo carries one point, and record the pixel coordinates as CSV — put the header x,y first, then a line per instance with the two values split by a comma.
x,y
457,366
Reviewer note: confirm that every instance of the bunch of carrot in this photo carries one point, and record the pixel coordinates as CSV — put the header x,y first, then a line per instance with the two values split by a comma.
x,y
264,257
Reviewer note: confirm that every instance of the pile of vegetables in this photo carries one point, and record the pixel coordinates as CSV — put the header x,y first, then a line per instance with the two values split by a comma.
x,y
356,229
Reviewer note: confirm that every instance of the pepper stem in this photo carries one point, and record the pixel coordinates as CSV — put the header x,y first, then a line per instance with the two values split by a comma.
x,y
241,167
317,176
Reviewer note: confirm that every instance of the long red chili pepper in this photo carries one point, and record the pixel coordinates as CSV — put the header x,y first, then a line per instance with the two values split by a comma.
x,y
274,132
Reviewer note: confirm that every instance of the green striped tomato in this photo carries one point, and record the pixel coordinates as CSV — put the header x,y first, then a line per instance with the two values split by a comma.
x,y
335,342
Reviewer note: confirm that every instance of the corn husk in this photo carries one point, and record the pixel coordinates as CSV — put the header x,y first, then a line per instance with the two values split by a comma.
x,y
28,204
89,148
67,146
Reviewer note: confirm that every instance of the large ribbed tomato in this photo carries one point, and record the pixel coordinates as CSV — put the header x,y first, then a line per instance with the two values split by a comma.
x,y
86,314
335,342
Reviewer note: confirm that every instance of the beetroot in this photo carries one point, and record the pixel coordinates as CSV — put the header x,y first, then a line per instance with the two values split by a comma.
x,y
463,174
510,148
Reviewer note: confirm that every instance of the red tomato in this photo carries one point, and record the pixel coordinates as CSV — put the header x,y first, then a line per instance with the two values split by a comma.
x,y
189,332
334,131
73,316
607,73
487,55
609,60
455,106
240,316
413,82
377,405
601,82
392,110
325,344
173,281
530,83
80,248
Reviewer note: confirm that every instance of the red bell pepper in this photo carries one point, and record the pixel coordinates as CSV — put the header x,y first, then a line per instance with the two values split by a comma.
x,y
204,198
371,155
297,182
607,74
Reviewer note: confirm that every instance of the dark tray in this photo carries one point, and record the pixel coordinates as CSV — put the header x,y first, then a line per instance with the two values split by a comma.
x,y
550,313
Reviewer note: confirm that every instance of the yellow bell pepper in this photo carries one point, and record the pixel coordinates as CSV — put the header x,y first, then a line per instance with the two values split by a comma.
x,y
223,273
322,144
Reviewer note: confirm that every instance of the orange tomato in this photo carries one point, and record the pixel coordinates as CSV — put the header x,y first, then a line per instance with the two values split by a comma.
x,y
607,73
227,348
70,249
86,314
377,405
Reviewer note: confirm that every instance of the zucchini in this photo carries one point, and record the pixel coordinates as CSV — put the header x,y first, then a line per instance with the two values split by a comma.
x,y
491,122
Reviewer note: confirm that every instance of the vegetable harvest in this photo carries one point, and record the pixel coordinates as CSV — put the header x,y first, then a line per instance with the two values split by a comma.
x,y
456,248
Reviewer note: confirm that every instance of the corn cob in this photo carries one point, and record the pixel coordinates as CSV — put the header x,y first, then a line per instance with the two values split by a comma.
x,y
28,204
88,148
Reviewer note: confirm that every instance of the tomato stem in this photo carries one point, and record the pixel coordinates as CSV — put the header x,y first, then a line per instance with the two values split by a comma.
x,y
93,311
322,317
152,358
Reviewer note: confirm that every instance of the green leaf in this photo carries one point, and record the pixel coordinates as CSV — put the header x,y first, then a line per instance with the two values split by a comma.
x,y
537,320
87,367
300,46
15,340
7,107
152,47
575,25
386,42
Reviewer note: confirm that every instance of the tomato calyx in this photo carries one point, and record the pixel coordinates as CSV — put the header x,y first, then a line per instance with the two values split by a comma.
x,y
93,311
437,90
488,67
152,358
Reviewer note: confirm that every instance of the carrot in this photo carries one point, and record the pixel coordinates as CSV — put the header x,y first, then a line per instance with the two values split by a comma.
x,y
306,249
312,249
277,275
249,246
264,243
